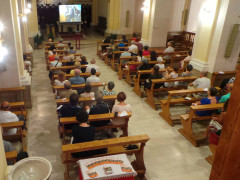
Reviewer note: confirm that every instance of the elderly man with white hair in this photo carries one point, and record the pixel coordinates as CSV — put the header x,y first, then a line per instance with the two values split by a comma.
x,y
92,65
169,49
77,79
133,49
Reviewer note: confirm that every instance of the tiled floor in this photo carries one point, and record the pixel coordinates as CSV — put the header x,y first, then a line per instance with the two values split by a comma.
x,y
168,155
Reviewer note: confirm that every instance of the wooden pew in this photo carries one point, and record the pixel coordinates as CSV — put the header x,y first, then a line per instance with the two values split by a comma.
x,y
120,68
218,77
176,58
115,56
19,136
14,90
17,105
98,117
78,86
138,80
45,43
63,68
99,43
150,92
56,46
130,72
165,104
213,149
187,120
87,99
11,156
115,146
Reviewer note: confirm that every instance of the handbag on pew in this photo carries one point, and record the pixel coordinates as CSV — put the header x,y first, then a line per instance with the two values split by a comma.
x,y
130,146
215,131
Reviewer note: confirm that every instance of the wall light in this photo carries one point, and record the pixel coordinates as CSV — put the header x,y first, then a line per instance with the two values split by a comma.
x,y
27,11
1,27
29,5
207,12
24,18
146,7
3,51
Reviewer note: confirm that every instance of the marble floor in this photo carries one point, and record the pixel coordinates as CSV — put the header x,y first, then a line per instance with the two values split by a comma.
x,y
168,155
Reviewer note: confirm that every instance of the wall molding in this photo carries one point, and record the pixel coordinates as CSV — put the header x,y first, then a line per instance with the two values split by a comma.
x,y
199,65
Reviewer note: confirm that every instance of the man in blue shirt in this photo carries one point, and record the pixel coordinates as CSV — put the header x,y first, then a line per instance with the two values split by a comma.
x,y
77,79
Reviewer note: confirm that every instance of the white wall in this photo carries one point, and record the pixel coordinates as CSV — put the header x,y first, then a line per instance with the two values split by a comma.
x,y
138,16
194,15
103,8
176,15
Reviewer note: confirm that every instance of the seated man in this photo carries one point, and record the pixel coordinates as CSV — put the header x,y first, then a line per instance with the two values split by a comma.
x,y
77,79
67,90
55,63
93,79
99,108
71,50
49,43
60,43
169,49
92,65
133,49
187,73
201,82
7,116
70,110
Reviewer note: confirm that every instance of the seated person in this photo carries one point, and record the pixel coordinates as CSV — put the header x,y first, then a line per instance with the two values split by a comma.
x,y
52,57
84,133
77,79
133,67
27,63
83,62
52,47
7,116
109,92
187,73
87,93
92,65
93,78
70,62
60,81
60,43
144,66
201,82
170,74
124,39
160,63
140,56
66,56
115,48
100,108
169,49
55,63
67,90
71,50
133,49
69,45
49,43
70,110
120,107
77,65
211,99
155,75
225,97
187,59
146,51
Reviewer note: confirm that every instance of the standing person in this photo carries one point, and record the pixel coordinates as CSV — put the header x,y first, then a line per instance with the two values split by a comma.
x,y
120,107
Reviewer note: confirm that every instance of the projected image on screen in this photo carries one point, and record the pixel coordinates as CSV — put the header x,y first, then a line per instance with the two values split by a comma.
x,y
70,13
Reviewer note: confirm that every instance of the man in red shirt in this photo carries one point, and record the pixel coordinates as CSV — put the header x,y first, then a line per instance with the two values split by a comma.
x,y
51,57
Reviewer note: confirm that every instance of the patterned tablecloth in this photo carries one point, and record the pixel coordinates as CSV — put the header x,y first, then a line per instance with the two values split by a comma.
x,y
116,162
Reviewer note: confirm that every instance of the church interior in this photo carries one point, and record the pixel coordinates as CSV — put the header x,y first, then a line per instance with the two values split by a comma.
x,y
119,89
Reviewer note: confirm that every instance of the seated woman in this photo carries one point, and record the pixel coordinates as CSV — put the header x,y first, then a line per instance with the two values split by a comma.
x,y
140,56
60,81
187,73
211,99
153,56
66,56
84,133
109,92
170,74
77,65
144,66
186,60
120,107
155,75
83,62
160,63
146,51
87,93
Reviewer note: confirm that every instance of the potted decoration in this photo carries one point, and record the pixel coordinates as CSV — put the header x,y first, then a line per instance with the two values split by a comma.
x,y
38,39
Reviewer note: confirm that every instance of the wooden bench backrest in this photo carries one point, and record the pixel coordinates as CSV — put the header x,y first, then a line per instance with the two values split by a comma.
x,y
65,67
219,76
9,125
81,75
79,147
77,86
207,107
85,99
2,90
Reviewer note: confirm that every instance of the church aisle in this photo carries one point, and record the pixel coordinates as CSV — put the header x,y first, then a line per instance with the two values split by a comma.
x,y
43,136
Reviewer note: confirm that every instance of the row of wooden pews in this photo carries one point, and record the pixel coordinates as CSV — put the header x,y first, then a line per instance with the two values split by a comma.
x,y
114,146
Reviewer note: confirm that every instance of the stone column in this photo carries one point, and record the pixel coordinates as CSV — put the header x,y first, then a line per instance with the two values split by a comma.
x,y
94,12
33,23
156,23
216,21
113,23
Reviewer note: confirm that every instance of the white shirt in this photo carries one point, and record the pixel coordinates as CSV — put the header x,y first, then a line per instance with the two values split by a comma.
x,y
59,83
8,116
171,84
54,63
93,79
89,67
203,82
133,49
161,66
125,54
169,49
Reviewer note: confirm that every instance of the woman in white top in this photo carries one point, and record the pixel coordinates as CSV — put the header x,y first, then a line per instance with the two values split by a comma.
x,y
60,81
87,93
170,74
66,56
160,64
120,107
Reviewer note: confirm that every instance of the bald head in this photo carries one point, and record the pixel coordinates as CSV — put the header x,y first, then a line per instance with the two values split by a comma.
x,y
49,40
5,106
67,85
77,72
92,61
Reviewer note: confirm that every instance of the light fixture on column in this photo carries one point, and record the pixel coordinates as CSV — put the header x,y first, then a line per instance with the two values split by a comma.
x,y
145,7
29,5
23,17
3,50
207,12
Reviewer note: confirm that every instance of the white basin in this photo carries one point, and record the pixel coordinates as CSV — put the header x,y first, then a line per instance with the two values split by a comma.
x,y
32,168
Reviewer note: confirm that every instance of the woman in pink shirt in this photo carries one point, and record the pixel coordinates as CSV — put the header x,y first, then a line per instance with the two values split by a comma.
x,y
146,51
